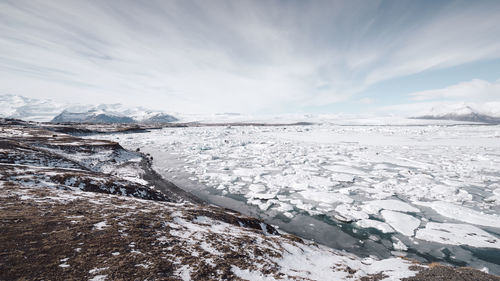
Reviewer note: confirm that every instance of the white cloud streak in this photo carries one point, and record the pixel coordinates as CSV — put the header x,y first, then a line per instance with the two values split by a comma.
x,y
483,96
475,90
237,56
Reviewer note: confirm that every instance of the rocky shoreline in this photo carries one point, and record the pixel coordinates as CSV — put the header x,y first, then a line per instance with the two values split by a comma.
x,y
80,209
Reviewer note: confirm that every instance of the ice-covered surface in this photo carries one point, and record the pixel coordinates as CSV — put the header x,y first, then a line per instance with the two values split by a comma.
x,y
333,119
403,223
464,214
458,234
374,183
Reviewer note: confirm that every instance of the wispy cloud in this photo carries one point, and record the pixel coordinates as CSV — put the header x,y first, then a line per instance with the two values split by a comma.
x,y
475,90
455,36
245,56
481,95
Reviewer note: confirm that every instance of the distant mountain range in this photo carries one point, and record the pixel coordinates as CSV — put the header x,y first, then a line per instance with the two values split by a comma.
x,y
94,115
14,106
471,117
486,113
19,107
90,117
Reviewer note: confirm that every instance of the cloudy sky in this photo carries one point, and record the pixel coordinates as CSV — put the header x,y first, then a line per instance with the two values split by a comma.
x,y
252,56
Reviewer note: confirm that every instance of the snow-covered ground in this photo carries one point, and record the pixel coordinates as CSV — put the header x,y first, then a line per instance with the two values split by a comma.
x,y
428,192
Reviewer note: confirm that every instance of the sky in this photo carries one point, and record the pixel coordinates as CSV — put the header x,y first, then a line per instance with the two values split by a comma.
x,y
252,56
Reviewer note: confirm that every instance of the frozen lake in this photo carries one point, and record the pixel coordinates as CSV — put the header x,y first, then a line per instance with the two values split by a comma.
x,y
426,192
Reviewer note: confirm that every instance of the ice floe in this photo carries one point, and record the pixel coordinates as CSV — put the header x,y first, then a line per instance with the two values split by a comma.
x,y
462,213
325,196
379,225
348,213
375,206
406,224
458,234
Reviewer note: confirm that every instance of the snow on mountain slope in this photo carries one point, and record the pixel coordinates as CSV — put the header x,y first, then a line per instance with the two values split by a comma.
x,y
114,113
14,106
90,116
485,113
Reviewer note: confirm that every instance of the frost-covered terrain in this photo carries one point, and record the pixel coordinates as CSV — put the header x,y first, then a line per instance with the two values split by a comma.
x,y
75,209
427,192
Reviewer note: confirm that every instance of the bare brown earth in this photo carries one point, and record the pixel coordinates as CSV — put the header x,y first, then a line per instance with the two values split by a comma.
x,y
39,233
69,211
438,272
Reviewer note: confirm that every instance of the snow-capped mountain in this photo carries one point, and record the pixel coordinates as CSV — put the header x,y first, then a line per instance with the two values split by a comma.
x,y
110,114
14,106
485,113
90,116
